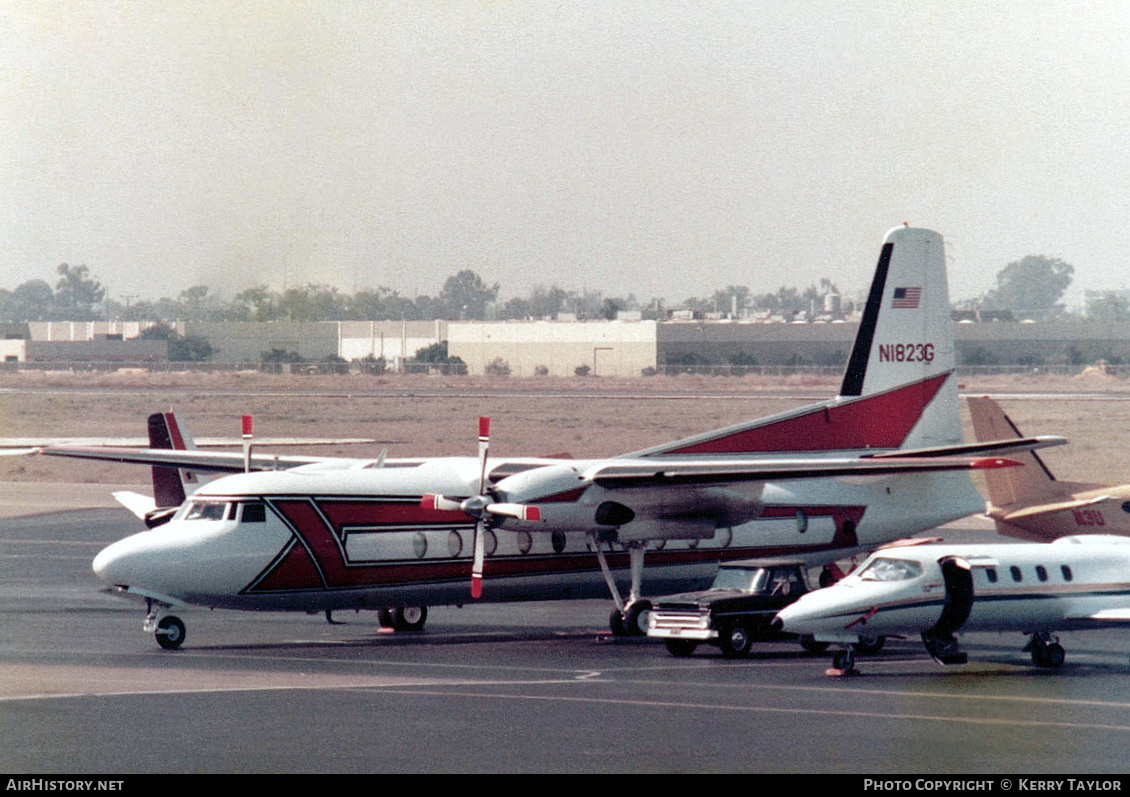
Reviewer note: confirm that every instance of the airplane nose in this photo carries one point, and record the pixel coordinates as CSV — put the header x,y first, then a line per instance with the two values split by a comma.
x,y
108,564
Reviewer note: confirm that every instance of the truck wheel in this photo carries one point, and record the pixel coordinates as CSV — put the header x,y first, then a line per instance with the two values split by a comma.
x,y
680,647
736,641
809,643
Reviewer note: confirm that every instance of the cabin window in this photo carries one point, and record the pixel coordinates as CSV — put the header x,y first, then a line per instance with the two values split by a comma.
x,y
1016,574
1067,574
207,510
991,574
1041,573
891,570
253,513
1126,506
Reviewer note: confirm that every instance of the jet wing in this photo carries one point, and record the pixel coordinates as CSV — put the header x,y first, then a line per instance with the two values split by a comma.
x,y
653,473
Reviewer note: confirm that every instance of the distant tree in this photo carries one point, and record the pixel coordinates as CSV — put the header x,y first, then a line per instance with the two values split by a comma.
x,y
610,309
734,299
466,296
158,332
1109,309
1030,287
76,294
31,301
498,367
255,304
190,349
436,354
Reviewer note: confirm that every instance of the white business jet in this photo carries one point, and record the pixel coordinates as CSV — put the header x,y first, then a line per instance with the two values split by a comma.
x,y
937,590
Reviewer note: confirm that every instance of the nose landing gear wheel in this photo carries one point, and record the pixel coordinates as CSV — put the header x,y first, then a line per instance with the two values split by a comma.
x,y
409,618
170,633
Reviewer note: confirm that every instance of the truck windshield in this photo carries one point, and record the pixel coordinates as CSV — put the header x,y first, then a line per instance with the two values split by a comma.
x,y
741,579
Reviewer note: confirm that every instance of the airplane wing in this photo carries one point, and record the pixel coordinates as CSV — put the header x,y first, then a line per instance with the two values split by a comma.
x,y
989,447
651,474
214,461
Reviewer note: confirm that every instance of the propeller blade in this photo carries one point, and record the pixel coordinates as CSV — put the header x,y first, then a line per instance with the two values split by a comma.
x,y
484,448
247,433
516,511
442,503
477,561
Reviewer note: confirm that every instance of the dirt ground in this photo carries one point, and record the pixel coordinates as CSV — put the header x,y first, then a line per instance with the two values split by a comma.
x,y
431,416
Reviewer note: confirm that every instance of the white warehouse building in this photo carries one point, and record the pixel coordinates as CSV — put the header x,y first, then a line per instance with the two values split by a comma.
x,y
555,348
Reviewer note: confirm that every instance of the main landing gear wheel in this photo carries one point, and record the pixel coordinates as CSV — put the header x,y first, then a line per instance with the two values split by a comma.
x,y
635,618
1046,650
736,641
170,633
409,618
869,647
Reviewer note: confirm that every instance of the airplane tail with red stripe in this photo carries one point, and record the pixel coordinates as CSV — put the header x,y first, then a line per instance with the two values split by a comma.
x,y
171,485
899,390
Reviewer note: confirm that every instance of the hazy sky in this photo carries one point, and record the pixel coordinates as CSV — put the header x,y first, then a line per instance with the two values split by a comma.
x,y
668,148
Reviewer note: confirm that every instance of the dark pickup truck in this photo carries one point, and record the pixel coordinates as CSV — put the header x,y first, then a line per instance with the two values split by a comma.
x,y
735,612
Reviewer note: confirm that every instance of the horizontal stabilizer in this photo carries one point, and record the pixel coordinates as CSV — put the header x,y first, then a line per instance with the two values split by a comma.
x,y
140,505
1048,509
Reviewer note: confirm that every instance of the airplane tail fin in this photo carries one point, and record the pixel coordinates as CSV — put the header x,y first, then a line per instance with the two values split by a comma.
x,y
905,341
1032,483
899,389
171,485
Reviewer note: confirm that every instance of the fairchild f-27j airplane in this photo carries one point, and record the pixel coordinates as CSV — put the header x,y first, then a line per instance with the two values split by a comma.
x,y
936,591
880,461
1031,503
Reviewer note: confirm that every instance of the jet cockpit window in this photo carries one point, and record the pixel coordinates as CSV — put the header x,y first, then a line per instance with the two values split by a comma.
x,y
738,579
207,510
891,570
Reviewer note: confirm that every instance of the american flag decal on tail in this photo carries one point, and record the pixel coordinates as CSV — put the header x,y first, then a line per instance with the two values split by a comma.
x,y
906,298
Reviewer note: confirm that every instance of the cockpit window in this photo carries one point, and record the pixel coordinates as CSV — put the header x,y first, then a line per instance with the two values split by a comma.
x,y
891,570
253,513
207,510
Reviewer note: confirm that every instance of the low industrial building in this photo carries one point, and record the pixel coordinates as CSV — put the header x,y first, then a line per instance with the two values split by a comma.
x,y
555,348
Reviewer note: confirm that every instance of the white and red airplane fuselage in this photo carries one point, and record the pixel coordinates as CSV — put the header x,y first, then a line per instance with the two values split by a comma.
x,y
315,539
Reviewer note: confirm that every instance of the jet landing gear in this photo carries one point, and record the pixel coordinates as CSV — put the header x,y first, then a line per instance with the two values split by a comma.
x,y
404,618
167,629
1046,650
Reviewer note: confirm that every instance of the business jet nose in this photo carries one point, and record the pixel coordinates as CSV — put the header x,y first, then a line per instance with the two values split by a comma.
x,y
112,563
